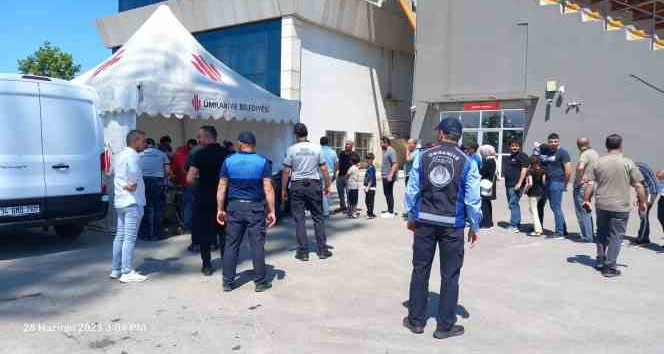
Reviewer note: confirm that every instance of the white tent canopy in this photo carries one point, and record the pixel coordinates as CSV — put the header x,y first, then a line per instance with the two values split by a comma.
x,y
162,71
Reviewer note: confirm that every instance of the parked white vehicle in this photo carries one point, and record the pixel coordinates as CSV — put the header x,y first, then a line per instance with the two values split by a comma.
x,y
51,155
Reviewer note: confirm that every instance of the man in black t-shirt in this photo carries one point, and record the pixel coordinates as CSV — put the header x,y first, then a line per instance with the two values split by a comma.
x,y
345,163
204,176
515,168
558,166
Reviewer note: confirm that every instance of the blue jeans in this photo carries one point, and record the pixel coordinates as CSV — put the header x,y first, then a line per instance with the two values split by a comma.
x,y
154,208
188,206
513,197
554,193
125,239
585,218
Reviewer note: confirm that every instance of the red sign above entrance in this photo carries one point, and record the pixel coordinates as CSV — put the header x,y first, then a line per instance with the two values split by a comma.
x,y
481,106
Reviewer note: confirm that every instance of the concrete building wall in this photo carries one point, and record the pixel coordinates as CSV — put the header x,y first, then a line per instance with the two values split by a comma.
x,y
356,18
511,48
350,85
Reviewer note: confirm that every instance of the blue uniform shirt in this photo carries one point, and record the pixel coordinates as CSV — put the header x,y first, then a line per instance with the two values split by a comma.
x,y
444,188
370,176
331,159
245,173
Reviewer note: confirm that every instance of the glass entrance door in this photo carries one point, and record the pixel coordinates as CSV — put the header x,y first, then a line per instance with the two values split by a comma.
x,y
496,128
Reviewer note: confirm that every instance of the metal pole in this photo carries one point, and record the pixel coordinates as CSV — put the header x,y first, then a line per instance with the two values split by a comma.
x,y
653,24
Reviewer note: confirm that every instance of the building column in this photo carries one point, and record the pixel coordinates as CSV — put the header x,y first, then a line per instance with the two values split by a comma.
x,y
291,55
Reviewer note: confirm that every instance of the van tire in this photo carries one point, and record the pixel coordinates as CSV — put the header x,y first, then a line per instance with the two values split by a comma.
x,y
69,231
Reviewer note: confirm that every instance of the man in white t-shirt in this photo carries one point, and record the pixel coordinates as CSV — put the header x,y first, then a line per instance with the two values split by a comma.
x,y
129,202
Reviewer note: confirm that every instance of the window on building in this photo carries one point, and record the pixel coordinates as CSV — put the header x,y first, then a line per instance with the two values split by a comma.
x,y
252,50
363,144
337,140
124,5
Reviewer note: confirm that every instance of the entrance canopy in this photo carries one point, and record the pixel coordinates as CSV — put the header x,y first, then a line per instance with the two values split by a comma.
x,y
163,71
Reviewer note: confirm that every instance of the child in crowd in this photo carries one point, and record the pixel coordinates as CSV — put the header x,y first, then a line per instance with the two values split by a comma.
x,y
370,186
535,183
353,178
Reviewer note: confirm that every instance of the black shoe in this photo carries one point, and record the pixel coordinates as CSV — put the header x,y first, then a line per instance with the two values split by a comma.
x,y
324,254
610,272
304,257
262,287
193,248
455,330
600,263
413,328
228,287
207,271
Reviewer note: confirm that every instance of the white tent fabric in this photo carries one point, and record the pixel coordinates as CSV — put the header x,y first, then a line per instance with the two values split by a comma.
x,y
163,71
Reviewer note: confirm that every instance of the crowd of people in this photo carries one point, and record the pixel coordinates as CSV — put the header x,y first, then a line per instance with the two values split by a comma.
x,y
230,194
548,173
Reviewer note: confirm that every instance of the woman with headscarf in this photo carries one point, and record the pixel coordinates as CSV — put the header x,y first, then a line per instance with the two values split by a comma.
x,y
488,183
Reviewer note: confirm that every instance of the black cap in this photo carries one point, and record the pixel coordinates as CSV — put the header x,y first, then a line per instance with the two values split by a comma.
x,y
450,126
247,138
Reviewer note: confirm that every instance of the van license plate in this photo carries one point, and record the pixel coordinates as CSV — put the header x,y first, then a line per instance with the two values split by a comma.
x,y
21,210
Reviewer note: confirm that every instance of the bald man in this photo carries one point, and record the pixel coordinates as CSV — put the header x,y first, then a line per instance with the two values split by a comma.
x,y
587,158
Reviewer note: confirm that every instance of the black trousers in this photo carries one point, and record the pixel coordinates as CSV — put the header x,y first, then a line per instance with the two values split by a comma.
x,y
205,230
353,199
245,218
388,190
369,200
487,213
155,194
451,242
644,226
308,195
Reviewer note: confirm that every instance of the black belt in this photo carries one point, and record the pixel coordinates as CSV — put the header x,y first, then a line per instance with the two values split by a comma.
x,y
306,180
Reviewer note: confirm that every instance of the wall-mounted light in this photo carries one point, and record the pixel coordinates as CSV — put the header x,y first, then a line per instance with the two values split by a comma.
x,y
574,106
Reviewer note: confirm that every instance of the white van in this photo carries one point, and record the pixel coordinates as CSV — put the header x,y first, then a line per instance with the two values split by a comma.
x,y
51,155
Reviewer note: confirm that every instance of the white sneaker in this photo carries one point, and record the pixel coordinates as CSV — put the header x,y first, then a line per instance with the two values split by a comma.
x,y
387,215
132,277
115,274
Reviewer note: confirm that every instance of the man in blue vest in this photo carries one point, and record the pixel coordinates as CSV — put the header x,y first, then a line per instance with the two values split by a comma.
x,y
442,195
246,183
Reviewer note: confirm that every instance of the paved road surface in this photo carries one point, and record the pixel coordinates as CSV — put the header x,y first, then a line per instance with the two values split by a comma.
x,y
518,295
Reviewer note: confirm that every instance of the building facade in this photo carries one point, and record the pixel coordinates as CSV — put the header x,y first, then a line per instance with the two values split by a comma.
x,y
349,62
521,69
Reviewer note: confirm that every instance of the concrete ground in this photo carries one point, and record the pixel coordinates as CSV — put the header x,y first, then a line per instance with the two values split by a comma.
x,y
519,294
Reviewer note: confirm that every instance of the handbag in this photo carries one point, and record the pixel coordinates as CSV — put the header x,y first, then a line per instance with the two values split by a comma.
x,y
486,188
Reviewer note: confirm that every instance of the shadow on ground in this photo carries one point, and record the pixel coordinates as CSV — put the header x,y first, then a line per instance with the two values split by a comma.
x,y
70,274
432,307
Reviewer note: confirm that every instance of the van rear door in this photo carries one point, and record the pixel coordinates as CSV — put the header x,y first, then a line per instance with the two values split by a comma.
x,y
22,186
72,150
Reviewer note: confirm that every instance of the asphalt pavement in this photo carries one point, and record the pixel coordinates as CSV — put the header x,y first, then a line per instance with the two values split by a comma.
x,y
519,294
